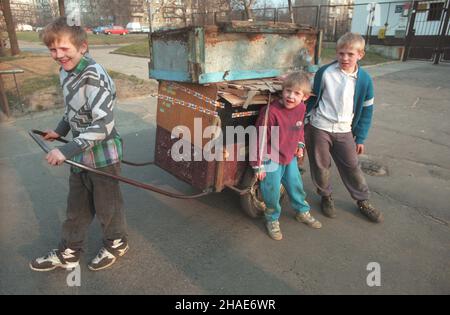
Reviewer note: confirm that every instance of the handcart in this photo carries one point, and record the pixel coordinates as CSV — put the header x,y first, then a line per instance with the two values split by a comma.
x,y
215,77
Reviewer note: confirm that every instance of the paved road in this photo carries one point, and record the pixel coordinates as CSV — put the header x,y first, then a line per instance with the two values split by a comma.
x,y
120,63
208,246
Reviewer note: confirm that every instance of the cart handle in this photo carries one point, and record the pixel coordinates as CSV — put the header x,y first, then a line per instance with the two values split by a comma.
x,y
34,135
62,140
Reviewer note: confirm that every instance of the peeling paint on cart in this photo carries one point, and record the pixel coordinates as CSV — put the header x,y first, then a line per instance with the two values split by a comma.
x,y
232,51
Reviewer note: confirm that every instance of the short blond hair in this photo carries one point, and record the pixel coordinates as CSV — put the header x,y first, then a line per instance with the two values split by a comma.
x,y
298,80
59,27
352,40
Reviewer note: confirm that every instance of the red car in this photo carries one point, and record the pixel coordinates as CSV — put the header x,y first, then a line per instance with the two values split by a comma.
x,y
115,30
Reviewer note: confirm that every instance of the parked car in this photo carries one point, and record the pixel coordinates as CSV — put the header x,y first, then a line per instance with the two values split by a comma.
x,y
38,29
115,30
145,29
24,28
134,27
99,29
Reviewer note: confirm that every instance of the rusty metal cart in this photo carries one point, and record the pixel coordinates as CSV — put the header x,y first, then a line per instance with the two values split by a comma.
x,y
221,76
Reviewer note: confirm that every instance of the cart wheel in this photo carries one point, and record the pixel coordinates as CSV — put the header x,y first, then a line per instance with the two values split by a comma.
x,y
253,203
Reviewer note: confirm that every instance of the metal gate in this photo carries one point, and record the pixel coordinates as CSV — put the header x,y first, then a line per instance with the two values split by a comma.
x,y
428,36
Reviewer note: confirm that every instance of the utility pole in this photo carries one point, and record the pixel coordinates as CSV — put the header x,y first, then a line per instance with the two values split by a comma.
x,y
10,27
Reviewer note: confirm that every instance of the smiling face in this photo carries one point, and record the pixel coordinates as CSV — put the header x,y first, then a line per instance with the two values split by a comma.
x,y
348,58
292,97
65,53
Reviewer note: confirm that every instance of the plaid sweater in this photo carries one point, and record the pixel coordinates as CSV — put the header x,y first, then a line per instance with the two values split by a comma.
x,y
89,97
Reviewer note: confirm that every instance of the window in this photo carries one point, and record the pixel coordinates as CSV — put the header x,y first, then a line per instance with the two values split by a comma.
x,y
435,12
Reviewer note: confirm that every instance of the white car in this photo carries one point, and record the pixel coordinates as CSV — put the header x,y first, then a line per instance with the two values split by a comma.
x,y
134,27
24,28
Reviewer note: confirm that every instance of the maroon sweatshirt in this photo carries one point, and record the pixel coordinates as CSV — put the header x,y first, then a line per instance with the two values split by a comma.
x,y
291,133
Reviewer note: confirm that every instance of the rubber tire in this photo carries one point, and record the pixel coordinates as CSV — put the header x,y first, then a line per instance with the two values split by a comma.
x,y
254,208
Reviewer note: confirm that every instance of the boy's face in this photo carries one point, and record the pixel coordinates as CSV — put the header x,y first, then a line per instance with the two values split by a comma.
x,y
348,58
65,53
292,97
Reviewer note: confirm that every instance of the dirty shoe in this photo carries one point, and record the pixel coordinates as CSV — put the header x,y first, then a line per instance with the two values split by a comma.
x,y
67,259
108,255
274,230
370,211
327,206
308,219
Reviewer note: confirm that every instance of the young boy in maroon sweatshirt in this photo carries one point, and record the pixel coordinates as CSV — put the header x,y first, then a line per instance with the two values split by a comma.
x,y
285,119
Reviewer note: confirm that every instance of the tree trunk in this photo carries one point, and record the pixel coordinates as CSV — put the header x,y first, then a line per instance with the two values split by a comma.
x,y
291,11
10,27
3,98
2,46
248,9
62,10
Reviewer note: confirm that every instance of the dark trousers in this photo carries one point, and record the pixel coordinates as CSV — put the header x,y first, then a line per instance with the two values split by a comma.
x,y
321,146
93,195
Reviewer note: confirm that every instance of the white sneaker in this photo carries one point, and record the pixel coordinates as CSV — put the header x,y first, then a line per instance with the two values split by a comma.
x,y
108,256
274,230
308,219
67,259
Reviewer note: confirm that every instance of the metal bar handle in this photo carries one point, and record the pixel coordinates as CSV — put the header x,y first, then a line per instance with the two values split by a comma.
x,y
34,135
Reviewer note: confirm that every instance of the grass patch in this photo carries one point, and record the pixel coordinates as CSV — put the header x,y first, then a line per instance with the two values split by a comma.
x,y
120,76
22,55
35,84
138,50
92,39
31,85
371,58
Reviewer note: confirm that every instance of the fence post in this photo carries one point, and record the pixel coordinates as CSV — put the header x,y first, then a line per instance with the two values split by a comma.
x,y
319,9
443,34
410,33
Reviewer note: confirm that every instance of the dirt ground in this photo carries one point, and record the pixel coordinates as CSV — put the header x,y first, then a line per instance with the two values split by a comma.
x,y
47,97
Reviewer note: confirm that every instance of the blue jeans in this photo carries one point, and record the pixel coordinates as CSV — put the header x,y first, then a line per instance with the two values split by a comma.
x,y
289,176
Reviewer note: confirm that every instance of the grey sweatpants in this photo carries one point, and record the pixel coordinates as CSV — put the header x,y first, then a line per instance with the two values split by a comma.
x,y
93,195
321,146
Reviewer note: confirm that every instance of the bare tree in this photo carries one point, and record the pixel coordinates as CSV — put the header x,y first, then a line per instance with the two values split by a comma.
x,y
62,9
291,11
247,5
10,27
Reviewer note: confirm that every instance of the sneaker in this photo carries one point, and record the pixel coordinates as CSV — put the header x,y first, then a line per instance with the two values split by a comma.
x,y
308,219
274,230
327,207
370,211
67,259
107,256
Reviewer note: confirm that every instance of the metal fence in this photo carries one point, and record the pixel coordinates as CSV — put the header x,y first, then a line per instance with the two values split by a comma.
x,y
385,22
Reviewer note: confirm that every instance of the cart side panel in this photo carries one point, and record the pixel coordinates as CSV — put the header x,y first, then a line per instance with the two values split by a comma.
x,y
200,175
235,164
170,56
241,56
175,118
231,52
